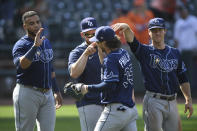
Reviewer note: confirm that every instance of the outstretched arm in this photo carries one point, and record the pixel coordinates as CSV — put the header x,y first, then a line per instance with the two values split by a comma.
x,y
125,29
185,88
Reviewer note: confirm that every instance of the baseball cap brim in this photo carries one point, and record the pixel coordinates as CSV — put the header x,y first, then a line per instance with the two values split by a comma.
x,y
156,27
88,29
93,39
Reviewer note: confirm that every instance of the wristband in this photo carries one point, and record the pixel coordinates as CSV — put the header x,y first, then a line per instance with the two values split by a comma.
x,y
30,54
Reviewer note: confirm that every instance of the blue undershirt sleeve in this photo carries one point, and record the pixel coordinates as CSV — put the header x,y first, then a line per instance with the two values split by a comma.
x,y
182,78
102,86
133,45
54,85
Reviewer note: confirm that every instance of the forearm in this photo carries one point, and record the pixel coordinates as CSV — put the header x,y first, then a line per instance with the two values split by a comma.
x,y
78,67
26,60
129,35
185,88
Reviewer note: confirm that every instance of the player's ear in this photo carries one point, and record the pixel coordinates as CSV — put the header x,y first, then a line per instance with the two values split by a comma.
x,y
24,26
149,32
82,35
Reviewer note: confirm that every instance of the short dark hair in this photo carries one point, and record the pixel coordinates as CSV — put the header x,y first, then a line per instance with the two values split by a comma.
x,y
115,43
28,14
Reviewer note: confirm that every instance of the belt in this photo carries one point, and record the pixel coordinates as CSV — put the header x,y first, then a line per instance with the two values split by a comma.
x,y
163,97
168,98
43,90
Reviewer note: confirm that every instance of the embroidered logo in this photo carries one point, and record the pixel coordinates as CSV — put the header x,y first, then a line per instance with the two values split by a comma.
x,y
164,65
43,55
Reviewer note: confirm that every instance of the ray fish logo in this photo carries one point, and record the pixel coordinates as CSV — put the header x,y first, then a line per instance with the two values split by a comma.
x,y
164,65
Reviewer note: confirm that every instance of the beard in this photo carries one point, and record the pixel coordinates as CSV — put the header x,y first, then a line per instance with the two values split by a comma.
x,y
32,33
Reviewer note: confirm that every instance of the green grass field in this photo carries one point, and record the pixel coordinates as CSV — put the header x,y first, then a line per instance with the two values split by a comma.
x,y
67,119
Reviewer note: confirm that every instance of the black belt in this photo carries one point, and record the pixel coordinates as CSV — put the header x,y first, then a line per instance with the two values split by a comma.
x,y
168,98
43,90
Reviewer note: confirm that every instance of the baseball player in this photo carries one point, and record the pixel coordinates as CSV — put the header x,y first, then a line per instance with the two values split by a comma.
x,y
33,97
120,112
84,66
164,72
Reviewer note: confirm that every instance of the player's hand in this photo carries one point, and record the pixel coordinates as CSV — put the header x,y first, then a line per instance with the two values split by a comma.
x,y
188,106
84,89
121,27
58,100
38,41
91,49
124,29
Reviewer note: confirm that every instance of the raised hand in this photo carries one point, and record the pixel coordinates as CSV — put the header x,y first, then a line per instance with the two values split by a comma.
x,y
38,41
120,26
125,29
90,49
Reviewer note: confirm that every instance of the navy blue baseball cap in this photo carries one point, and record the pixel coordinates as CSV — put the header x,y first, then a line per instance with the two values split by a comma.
x,y
88,23
103,33
156,23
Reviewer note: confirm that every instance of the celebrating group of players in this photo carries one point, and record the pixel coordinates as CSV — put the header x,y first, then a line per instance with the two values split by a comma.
x,y
106,71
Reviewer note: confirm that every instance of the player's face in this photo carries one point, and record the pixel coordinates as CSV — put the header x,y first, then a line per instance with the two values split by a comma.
x,y
101,45
32,25
87,35
157,35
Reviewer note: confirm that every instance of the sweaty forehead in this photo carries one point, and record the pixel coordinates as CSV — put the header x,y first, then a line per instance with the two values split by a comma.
x,y
33,18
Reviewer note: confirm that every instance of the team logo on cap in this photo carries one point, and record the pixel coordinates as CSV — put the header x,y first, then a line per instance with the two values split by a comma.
x,y
89,23
156,21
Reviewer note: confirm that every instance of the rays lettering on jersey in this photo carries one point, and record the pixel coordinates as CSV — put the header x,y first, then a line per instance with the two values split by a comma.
x,y
164,65
43,55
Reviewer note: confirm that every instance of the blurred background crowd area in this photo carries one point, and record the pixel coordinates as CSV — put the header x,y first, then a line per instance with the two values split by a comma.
x,y
61,21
